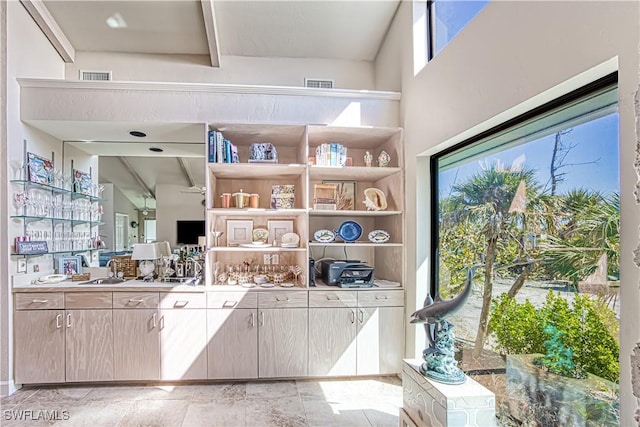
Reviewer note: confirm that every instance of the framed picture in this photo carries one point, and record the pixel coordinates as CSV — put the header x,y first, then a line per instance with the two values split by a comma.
x,y
40,169
69,265
239,232
277,228
81,182
345,194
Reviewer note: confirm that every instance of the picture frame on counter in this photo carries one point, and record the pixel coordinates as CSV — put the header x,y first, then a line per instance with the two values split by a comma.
x,y
239,232
69,265
278,228
40,169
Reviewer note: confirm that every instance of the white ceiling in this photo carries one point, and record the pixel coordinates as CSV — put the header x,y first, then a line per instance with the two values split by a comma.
x,y
351,30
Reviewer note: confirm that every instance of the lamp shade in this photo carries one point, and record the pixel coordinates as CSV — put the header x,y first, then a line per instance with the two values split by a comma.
x,y
163,248
145,251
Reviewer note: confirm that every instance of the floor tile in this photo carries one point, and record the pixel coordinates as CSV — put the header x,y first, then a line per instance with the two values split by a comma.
x,y
155,413
219,393
215,414
167,391
322,414
272,389
8,402
115,393
96,414
61,394
286,411
383,415
35,413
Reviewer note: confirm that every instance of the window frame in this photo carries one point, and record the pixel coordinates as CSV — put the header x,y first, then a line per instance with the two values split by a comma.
x,y
599,84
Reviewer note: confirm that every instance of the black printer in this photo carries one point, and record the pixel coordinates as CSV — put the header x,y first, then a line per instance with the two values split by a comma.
x,y
347,274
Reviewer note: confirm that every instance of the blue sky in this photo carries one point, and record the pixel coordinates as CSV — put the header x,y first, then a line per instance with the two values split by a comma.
x,y
451,17
596,141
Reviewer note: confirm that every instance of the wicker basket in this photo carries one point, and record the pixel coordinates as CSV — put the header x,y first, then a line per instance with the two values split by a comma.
x,y
127,265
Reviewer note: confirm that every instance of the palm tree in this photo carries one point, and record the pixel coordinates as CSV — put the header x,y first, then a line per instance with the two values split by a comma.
x,y
486,199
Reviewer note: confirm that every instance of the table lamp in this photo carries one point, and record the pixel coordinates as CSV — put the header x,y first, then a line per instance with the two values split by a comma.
x,y
146,253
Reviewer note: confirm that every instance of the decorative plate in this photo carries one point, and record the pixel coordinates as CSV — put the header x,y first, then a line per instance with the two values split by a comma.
x,y
378,236
267,285
289,245
349,231
324,236
260,235
290,238
286,285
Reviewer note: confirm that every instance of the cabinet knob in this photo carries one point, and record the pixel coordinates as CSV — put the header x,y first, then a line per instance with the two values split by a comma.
x,y
333,298
68,320
40,301
361,316
229,303
353,316
154,319
282,299
253,320
181,303
58,321
262,318
381,297
135,301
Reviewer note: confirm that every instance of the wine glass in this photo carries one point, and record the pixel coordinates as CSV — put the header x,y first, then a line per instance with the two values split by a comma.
x,y
20,201
18,168
296,270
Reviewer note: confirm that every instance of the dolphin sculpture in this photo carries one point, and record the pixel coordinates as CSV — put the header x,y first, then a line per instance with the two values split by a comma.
x,y
437,309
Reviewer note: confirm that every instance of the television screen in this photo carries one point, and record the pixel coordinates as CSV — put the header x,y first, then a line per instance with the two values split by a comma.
x,y
188,232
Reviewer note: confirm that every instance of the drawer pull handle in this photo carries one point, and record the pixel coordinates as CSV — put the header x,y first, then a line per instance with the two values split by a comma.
x,y
334,298
136,301
353,316
40,301
181,303
69,320
155,320
229,303
262,318
282,299
253,320
58,320
381,297
361,316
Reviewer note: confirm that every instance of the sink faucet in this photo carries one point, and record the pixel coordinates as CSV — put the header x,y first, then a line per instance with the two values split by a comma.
x,y
115,266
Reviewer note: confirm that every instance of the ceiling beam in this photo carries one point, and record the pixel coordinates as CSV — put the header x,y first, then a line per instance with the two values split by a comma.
x,y
138,178
186,171
50,28
211,29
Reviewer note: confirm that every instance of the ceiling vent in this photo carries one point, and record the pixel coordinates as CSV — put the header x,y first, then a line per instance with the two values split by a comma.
x,y
319,83
95,75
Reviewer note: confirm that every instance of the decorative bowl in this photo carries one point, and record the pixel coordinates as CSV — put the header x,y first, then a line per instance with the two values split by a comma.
x,y
324,236
379,236
349,231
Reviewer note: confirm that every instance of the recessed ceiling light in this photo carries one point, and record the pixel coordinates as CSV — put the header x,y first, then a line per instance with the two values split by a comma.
x,y
156,149
137,133
116,21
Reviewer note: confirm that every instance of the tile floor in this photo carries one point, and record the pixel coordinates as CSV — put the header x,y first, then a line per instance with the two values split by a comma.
x,y
357,402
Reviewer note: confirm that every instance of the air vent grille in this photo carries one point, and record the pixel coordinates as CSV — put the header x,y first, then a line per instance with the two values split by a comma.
x,y
95,75
319,83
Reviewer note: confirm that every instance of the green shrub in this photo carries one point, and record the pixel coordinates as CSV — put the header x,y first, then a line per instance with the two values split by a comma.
x,y
585,329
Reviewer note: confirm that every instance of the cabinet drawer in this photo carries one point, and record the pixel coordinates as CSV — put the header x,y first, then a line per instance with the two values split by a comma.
x,y
333,298
380,298
232,300
279,299
88,300
39,301
136,300
183,300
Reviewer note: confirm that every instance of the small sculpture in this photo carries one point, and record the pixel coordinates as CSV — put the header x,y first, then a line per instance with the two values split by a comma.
x,y
368,159
383,159
440,364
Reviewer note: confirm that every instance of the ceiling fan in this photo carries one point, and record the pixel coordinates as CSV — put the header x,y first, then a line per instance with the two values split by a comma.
x,y
195,189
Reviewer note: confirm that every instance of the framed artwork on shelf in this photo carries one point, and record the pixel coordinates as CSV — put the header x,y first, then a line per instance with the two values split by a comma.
x,y
239,232
40,169
81,182
283,196
69,265
277,228
345,194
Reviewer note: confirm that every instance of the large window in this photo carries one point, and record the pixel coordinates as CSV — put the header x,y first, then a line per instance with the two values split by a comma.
x,y
447,18
534,206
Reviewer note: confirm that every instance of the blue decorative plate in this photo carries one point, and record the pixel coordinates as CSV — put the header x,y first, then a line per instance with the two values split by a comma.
x,y
349,231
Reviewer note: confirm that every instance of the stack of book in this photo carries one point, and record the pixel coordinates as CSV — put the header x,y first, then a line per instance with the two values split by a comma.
x,y
220,149
331,154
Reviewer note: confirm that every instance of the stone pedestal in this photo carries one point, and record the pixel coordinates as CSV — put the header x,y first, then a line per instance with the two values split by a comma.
x,y
430,403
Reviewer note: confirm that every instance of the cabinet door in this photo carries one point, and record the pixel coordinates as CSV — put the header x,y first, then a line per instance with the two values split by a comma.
x,y
232,347
332,341
39,346
380,340
282,342
183,344
89,345
136,344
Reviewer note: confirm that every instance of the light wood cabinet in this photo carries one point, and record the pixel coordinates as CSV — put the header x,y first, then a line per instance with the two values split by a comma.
x,y
39,346
183,344
380,340
282,342
136,343
332,341
232,347
89,345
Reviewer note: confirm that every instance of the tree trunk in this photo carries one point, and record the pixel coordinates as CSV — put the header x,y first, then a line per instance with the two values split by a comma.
x,y
483,325
519,281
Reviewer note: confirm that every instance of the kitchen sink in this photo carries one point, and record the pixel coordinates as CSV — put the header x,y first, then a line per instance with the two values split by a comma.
x,y
104,281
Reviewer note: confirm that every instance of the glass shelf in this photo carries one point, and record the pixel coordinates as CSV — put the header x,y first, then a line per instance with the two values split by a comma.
x,y
46,218
57,190
74,251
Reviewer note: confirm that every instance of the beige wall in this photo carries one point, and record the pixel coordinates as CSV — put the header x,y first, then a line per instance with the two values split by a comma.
x,y
510,58
234,69
173,204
